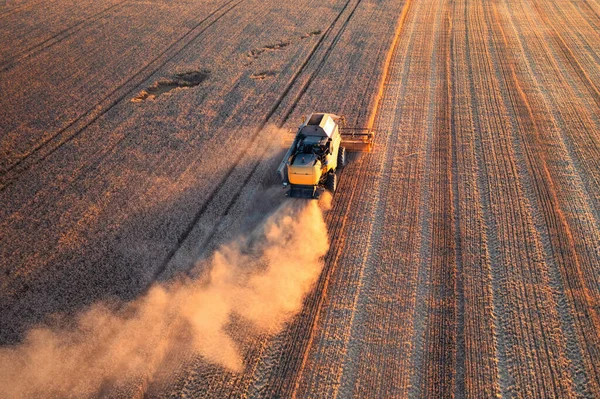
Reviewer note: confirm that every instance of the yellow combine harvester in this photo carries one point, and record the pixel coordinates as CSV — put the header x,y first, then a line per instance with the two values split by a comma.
x,y
318,151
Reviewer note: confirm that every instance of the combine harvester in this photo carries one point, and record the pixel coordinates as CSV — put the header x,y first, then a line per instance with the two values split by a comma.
x,y
318,151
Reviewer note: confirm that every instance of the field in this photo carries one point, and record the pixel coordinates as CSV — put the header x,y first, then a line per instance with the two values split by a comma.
x,y
146,249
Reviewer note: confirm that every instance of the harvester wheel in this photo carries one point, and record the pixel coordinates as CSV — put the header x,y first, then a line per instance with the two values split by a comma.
x,y
331,182
341,158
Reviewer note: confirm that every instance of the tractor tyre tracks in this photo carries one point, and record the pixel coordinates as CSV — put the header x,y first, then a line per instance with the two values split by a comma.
x,y
222,201
62,136
572,267
57,37
503,299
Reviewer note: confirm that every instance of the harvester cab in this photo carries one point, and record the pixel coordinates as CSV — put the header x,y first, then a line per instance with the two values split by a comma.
x,y
318,152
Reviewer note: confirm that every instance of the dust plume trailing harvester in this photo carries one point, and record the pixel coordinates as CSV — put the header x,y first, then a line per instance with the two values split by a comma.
x,y
318,152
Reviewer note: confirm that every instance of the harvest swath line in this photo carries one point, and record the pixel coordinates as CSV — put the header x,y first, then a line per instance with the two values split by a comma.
x,y
568,54
252,172
294,343
348,393
420,192
499,67
60,36
503,381
581,148
389,149
336,226
480,363
571,277
536,368
122,91
441,326
460,387
464,284
342,208
578,145
287,114
181,239
592,10
424,315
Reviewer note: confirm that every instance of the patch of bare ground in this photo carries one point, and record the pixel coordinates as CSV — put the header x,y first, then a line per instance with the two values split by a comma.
x,y
501,321
263,75
178,81
98,69
279,46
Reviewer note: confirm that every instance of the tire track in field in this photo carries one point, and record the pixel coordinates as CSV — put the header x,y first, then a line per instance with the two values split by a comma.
x,y
56,38
253,143
517,104
385,374
483,186
578,321
482,348
318,68
222,195
584,38
437,373
576,118
280,382
55,141
569,123
534,355
296,341
336,349
593,11
337,221
299,337
22,7
461,384
568,53
573,137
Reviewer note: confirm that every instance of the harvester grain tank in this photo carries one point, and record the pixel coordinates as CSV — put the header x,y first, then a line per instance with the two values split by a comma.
x,y
318,152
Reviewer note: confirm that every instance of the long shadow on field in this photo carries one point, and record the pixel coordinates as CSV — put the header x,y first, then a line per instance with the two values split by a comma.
x,y
119,265
129,257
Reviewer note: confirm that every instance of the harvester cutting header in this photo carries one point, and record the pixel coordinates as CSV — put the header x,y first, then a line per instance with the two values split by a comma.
x,y
318,151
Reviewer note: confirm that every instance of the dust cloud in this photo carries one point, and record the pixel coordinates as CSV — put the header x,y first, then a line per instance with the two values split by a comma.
x,y
326,200
260,279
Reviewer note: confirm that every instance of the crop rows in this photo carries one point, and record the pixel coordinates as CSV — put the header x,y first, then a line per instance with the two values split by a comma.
x,y
464,251
504,265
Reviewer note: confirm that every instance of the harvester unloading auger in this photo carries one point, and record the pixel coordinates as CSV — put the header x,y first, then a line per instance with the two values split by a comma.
x,y
318,151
